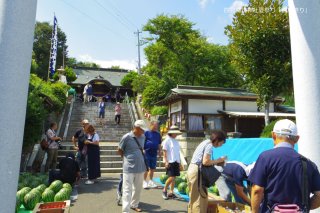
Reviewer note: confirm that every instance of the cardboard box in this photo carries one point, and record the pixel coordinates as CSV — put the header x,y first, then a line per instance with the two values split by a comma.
x,y
216,206
53,207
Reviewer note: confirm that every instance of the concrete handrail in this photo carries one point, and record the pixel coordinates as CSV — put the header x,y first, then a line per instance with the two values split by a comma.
x,y
127,101
68,120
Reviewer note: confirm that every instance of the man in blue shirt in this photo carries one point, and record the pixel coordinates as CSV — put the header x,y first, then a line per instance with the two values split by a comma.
x,y
231,181
277,175
152,148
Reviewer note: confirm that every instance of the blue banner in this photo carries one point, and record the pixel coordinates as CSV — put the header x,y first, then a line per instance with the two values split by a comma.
x,y
54,47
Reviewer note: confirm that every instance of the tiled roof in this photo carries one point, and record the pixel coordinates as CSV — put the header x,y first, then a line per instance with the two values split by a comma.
x,y
209,93
85,75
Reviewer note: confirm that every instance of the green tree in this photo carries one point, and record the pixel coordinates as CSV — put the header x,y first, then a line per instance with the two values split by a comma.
x,y
128,79
179,54
260,46
70,74
42,46
87,64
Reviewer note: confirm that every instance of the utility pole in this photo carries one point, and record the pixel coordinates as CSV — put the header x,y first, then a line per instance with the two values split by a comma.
x,y
139,44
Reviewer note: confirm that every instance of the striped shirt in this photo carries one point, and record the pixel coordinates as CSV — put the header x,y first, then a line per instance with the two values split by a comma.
x,y
198,153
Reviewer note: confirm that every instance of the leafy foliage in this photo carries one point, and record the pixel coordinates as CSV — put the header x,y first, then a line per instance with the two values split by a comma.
x,y
179,54
260,46
128,79
266,132
42,45
40,93
159,110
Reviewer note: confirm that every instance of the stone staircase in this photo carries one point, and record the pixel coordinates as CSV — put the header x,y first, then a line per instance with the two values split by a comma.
x,y
110,134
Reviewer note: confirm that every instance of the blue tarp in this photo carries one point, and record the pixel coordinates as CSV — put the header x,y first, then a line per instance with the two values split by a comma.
x,y
246,150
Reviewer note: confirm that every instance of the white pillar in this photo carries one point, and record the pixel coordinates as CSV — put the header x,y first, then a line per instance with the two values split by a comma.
x,y
305,45
17,20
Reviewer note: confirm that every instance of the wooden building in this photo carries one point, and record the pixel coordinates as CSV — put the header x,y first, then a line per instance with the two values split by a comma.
x,y
197,110
103,80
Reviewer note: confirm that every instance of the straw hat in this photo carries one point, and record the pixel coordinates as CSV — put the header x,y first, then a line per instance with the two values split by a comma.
x,y
174,130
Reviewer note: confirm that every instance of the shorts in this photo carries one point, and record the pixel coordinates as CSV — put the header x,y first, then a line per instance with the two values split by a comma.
x,y
151,162
173,170
101,114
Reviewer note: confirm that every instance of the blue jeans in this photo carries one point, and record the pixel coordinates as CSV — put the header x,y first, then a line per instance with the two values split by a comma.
x,y
82,161
226,186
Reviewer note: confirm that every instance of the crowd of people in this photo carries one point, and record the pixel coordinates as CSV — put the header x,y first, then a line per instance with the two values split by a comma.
x,y
280,178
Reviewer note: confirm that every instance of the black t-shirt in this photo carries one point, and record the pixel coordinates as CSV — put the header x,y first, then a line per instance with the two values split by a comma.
x,y
68,170
81,136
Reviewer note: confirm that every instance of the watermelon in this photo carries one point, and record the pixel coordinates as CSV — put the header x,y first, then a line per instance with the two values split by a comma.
x,y
34,183
215,190
41,187
182,187
22,192
18,203
184,178
61,196
66,191
48,195
56,186
187,190
177,181
30,200
163,178
67,185
21,185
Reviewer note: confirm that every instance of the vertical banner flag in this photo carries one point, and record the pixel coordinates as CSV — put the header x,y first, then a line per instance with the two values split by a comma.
x,y
54,47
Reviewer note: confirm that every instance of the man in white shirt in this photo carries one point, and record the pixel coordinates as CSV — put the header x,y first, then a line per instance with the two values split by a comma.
x,y
171,158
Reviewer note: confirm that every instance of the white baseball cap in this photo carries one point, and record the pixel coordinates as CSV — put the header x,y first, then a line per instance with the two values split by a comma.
x,y
285,127
141,124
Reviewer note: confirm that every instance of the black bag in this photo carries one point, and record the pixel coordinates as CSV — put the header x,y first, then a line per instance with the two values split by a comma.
x,y
209,174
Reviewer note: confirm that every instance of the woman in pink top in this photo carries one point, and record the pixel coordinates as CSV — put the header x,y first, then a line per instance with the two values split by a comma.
x,y
117,113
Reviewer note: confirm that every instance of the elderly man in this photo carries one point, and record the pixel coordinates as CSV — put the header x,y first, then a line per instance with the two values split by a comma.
x,y
78,143
134,166
152,148
278,174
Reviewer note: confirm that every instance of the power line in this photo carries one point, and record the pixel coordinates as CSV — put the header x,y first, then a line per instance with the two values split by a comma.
x,y
116,17
120,14
94,20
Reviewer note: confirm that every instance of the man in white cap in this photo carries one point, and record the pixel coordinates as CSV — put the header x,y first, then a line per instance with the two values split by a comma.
x,y
278,176
134,166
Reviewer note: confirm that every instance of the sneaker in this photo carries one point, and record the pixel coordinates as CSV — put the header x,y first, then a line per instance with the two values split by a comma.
x,y
165,195
145,184
89,182
151,184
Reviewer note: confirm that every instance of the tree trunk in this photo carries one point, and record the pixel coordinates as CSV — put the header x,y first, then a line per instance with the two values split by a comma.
x,y
266,115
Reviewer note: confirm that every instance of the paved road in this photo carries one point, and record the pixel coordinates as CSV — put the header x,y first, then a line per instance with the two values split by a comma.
x,y
100,197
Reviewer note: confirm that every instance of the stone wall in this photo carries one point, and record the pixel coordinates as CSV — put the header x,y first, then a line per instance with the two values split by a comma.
x,y
188,145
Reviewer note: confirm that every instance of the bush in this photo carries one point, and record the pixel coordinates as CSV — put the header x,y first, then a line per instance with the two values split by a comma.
x,y
159,110
266,132
37,109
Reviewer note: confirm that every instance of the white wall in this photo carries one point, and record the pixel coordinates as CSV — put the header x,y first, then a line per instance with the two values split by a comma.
x,y
204,106
176,107
245,106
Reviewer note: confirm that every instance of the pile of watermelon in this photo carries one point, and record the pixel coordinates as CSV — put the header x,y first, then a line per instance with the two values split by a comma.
x,y
214,189
31,180
180,182
29,197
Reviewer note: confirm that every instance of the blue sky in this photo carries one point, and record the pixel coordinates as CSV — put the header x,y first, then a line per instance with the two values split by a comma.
x,y
102,31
